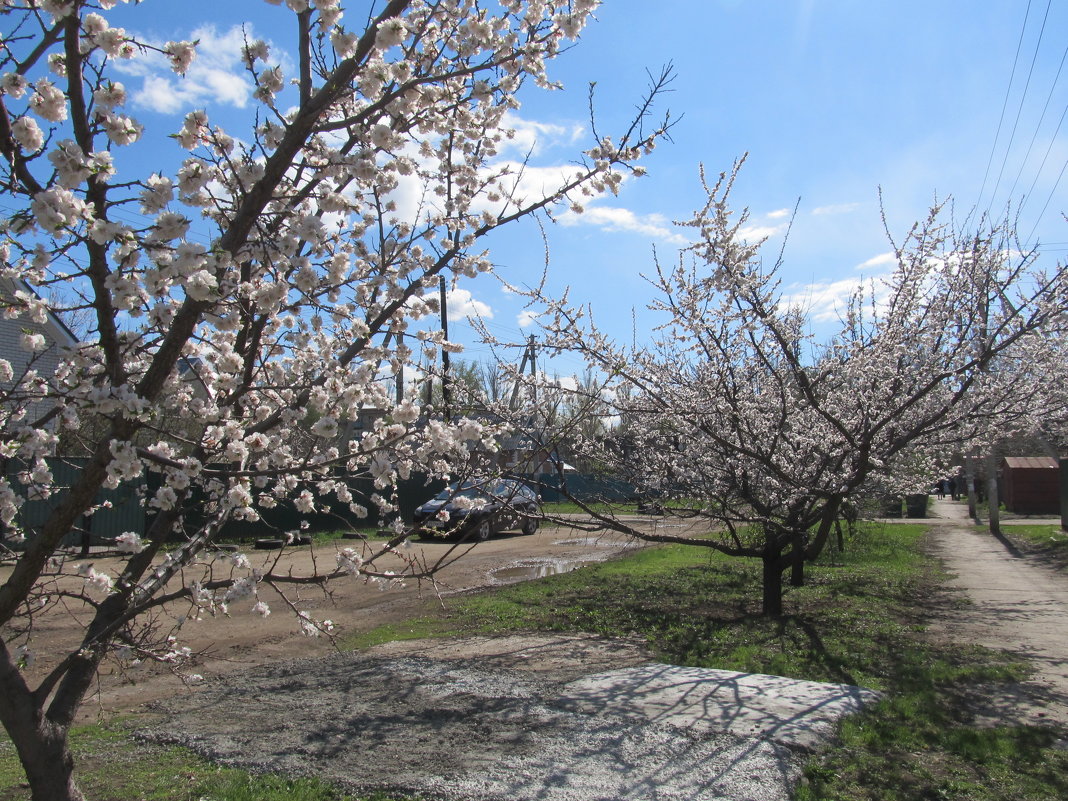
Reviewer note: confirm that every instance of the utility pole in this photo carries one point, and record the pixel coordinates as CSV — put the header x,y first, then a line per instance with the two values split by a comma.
x,y
528,355
446,389
533,370
400,368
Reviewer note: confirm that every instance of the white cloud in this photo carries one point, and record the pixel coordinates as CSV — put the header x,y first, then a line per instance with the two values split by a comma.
x,y
566,382
462,304
824,300
217,74
836,208
533,137
755,233
613,218
526,183
526,318
778,214
522,185
882,260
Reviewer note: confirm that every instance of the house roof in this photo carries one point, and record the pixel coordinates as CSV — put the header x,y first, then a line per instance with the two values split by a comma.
x,y
1030,462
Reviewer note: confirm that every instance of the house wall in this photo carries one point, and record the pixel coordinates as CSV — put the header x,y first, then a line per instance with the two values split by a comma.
x,y
44,363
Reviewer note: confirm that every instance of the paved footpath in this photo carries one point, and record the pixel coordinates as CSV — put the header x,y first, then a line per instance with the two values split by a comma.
x,y
1018,605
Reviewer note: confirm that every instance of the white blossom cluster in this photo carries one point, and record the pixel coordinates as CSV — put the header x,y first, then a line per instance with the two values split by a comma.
x,y
244,312
739,411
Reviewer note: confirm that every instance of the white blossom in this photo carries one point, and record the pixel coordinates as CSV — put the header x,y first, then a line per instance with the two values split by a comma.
x,y
201,285
241,588
58,208
349,561
391,32
48,101
120,129
326,427
129,542
247,304
28,134
95,580
33,342
13,84
181,55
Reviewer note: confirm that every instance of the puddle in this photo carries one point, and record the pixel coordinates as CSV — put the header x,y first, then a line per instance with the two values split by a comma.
x,y
585,542
602,541
526,571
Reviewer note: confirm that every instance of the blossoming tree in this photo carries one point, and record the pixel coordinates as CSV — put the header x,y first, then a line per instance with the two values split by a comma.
x,y
740,415
245,304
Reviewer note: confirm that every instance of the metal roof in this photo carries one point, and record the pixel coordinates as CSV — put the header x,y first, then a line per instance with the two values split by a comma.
x,y
1031,462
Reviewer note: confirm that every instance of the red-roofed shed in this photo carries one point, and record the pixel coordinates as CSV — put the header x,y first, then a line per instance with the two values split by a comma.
x,y
1031,485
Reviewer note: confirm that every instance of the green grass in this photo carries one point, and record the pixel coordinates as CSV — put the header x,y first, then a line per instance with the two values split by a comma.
x,y
328,537
569,507
111,766
697,607
861,619
620,508
1049,542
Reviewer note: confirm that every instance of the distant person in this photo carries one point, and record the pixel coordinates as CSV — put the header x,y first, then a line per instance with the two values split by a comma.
x,y
953,489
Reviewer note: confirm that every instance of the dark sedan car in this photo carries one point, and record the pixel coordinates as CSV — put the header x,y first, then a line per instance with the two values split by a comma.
x,y
478,510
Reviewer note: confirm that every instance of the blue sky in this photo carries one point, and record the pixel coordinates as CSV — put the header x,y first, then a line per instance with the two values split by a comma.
x,y
832,99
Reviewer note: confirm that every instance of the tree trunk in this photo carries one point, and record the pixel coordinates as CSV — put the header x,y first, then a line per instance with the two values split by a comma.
x,y
46,758
797,559
772,584
992,500
40,741
973,499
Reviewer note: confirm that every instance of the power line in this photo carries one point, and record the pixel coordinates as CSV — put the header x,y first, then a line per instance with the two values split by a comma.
x,y
1019,109
1053,189
1038,127
1004,106
1041,167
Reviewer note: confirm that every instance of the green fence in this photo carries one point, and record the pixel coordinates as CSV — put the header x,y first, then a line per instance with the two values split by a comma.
x,y
122,509
119,509
586,487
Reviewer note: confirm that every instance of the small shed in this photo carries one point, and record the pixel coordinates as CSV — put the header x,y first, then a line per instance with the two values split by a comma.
x,y
1031,485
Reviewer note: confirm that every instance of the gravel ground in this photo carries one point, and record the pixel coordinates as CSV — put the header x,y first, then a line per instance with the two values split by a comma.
x,y
520,720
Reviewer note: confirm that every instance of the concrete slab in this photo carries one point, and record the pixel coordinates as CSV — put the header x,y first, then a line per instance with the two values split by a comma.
x,y
472,729
800,714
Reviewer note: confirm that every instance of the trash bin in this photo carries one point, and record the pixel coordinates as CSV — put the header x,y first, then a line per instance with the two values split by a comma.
x,y
916,505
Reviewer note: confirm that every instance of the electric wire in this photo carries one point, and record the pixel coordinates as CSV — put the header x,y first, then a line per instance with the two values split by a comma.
x,y
1004,107
1038,127
1049,198
1019,109
1045,157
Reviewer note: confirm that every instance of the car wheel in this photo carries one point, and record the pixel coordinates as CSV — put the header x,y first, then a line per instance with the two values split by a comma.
x,y
484,530
530,525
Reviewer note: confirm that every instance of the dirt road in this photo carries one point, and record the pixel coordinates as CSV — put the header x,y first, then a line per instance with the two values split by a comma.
x,y
244,639
1017,605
